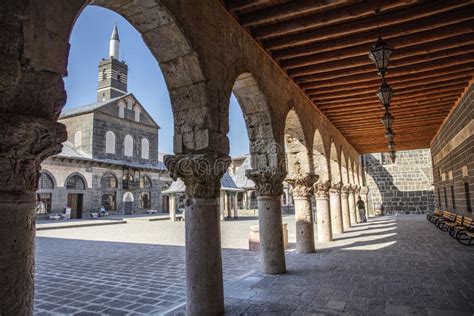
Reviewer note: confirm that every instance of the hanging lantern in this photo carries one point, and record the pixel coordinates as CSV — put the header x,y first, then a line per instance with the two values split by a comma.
x,y
380,55
389,134
385,94
387,119
391,146
393,156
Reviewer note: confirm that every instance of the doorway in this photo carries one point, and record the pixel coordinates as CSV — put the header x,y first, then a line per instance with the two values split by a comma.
x,y
75,202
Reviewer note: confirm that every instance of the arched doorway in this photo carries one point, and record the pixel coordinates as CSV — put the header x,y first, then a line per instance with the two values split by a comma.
x,y
76,186
128,200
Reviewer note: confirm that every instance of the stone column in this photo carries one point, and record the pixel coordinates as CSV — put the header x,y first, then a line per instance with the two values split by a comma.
x,y
222,204
201,174
346,217
269,188
173,207
352,209
356,198
336,210
226,205
25,141
236,205
302,191
321,189
364,192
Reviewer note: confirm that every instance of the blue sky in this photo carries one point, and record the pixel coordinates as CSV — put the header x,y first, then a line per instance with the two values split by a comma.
x,y
90,43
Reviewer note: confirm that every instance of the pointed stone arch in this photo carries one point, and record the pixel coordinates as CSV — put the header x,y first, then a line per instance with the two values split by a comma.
x,y
334,164
344,168
295,145
320,161
264,149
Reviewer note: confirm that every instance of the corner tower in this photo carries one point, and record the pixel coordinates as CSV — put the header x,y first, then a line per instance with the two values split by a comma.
x,y
112,72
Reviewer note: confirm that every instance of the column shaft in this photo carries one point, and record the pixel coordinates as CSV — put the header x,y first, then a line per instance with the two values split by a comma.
x,y
272,252
17,246
205,290
304,225
346,219
336,212
322,211
173,207
352,208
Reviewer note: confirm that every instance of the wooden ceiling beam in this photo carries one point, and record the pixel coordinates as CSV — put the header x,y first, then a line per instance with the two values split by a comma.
x,y
406,34
351,54
286,11
362,94
363,78
237,5
434,97
462,58
329,18
399,116
395,84
365,61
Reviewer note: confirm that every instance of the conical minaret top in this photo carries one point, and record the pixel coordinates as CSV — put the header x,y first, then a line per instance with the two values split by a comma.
x,y
114,44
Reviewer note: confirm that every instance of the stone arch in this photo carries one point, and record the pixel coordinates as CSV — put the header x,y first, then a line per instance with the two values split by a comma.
x,y
264,149
128,197
145,182
345,168
295,145
334,164
108,180
320,160
75,181
46,181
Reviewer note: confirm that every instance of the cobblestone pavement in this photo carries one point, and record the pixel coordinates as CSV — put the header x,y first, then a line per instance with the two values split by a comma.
x,y
389,266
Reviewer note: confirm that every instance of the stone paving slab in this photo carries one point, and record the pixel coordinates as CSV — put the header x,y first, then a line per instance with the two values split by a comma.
x,y
389,266
75,223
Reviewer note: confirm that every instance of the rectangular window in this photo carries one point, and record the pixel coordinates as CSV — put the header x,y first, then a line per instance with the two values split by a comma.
x,y
468,197
453,202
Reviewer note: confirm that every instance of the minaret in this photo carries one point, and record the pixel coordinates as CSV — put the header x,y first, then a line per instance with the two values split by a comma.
x,y
112,72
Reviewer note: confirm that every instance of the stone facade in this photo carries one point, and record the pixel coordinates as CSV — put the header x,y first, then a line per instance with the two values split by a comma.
x,y
403,187
452,150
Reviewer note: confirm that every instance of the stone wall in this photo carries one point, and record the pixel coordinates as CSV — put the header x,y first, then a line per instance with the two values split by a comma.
x,y
453,158
403,187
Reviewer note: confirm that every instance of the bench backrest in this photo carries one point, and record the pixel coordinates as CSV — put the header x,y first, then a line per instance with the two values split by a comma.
x,y
468,222
459,220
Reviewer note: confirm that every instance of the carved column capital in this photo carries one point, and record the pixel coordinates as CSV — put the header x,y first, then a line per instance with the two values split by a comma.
x,y
268,181
321,189
201,173
336,188
357,189
25,142
302,184
351,188
345,191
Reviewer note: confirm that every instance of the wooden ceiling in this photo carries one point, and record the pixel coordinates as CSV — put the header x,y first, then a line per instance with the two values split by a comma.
x,y
323,46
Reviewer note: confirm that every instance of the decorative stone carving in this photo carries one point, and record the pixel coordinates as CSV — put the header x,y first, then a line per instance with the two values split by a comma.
x,y
357,189
351,188
345,191
302,184
364,190
268,181
321,189
336,188
25,142
201,173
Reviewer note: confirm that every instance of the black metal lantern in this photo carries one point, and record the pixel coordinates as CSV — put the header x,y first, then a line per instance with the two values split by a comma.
x,y
385,94
393,156
387,119
391,146
389,134
380,55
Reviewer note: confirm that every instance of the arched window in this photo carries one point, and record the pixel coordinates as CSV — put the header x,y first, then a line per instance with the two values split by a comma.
x,y
128,146
45,182
104,74
75,182
137,114
145,182
121,106
108,202
108,180
78,139
110,142
130,104
145,148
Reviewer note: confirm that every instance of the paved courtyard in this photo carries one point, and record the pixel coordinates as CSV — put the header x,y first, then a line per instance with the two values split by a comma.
x,y
391,265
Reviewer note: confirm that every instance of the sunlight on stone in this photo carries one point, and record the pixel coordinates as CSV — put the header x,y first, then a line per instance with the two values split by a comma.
x,y
372,246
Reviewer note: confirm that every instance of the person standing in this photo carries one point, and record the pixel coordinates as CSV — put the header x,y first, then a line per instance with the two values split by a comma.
x,y
361,207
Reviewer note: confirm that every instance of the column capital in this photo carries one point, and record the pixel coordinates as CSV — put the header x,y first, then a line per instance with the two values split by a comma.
x,y
321,189
268,181
345,190
302,184
356,189
25,142
336,188
364,190
201,173
351,188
